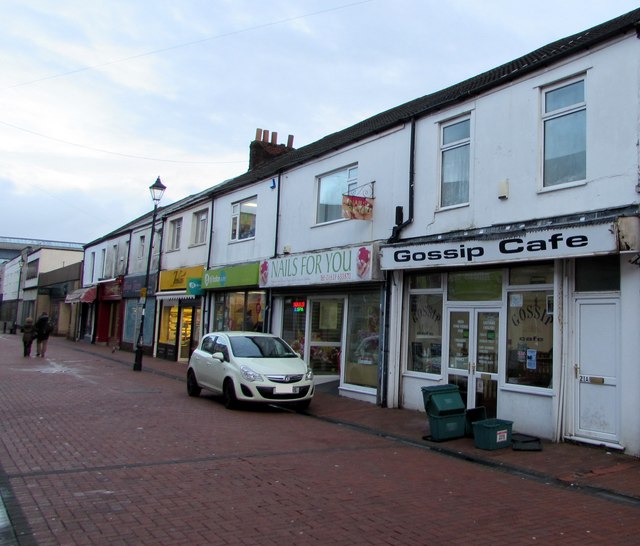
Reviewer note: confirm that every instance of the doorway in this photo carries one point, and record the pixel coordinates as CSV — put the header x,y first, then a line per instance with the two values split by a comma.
x,y
473,355
324,350
595,377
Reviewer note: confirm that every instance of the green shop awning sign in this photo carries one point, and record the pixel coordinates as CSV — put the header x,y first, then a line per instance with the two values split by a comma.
x,y
231,276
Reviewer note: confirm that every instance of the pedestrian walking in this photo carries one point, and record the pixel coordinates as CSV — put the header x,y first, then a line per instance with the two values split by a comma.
x,y
28,333
43,329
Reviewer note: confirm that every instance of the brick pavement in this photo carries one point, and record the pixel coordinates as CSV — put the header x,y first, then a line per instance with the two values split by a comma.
x,y
93,453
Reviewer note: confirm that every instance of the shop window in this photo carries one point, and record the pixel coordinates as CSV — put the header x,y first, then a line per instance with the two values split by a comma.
x,y
598,274
530,338
425,333
243,219
455,151
331,188
425,280
294,322
531,274
363,340
479,285
564,119
168,325
242,310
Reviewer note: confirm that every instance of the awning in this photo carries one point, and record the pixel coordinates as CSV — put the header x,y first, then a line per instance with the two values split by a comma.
x,y
174,295
82,295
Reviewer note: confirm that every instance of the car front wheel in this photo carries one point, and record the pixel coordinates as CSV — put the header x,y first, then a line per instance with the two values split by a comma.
x,y
193,389
229,395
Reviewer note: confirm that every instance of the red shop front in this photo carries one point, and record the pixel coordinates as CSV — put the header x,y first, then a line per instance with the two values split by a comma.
x,y
109,314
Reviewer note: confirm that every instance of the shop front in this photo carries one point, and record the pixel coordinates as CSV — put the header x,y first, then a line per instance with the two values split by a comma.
x,y
108,330
328,306
528,325
132,290
179,304
236,301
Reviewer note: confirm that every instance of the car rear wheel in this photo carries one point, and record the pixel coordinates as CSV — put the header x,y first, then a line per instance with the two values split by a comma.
x,y
193,389
229,395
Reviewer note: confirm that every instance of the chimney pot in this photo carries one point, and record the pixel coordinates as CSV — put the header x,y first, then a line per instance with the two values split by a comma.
x,y
265,135
258,134
274,138
290,141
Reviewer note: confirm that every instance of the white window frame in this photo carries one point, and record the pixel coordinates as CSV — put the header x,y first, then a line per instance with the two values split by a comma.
x,y
445,148
199,227
141,247
236,233
350,184
558,113
175,234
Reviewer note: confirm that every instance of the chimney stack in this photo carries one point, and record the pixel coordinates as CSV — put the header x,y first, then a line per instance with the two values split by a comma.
x,y
262,150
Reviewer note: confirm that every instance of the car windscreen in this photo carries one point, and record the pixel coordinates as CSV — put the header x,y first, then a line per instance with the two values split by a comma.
x,y
259,347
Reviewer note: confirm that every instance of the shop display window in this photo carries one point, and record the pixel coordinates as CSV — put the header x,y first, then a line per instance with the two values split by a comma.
x,y
294,322
240,311
363,340
169,325
530,338
425,333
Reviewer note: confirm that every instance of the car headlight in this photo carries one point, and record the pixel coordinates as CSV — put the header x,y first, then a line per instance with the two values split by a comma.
x,y
249,374
309,375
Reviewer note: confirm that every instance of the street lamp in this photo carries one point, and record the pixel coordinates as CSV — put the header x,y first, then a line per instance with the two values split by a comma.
x,y
156,189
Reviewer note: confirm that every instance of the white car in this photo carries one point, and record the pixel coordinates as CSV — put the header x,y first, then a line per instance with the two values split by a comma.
x,y
250,367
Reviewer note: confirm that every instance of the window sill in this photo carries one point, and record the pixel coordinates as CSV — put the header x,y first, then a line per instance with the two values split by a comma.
x,y
237,241
193,245
330,222
452,207
564,186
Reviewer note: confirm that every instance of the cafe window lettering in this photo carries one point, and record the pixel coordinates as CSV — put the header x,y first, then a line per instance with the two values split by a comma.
x,y
530,315
425,323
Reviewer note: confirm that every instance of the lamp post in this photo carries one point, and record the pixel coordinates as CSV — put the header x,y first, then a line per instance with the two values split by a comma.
x,y
156,189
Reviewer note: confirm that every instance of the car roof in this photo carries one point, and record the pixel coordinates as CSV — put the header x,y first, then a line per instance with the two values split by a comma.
x,y
240,333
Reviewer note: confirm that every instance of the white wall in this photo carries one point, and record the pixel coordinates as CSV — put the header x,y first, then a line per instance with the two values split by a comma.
x,y
506,144
226,252
189,254
383,159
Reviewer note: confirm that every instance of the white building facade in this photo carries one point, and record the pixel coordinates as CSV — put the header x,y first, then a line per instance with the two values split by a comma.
x,y
518,279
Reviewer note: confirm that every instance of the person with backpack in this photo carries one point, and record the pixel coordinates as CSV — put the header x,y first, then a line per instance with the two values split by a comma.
x,y
43,329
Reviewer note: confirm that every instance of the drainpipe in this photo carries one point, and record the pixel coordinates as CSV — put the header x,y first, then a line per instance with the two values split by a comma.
x,y
382,398
400,224
209,294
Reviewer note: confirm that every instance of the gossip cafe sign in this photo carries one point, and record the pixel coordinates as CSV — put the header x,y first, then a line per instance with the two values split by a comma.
x,y
329,267
534,245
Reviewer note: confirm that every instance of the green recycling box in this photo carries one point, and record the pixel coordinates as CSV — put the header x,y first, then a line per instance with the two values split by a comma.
x,y
441,400
492,434
447,427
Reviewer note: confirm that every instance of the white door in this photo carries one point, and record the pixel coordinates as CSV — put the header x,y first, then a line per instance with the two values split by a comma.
x,y
596,367
473,352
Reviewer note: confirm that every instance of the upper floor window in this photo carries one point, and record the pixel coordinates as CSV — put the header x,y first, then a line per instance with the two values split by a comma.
x,y
175,231
331,188
141,247
199,227
564,119
455,150
243,219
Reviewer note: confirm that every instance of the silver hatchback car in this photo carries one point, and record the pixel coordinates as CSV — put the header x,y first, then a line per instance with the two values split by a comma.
x,y
250,367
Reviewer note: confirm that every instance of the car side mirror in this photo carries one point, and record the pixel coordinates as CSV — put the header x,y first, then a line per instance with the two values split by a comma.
x,y
219,355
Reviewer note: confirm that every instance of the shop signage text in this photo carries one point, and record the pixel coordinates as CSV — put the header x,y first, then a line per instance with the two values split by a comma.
x,y
332,266
530,246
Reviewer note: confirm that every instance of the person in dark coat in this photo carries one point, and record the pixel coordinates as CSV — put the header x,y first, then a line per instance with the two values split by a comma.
x,y
43,329
28,333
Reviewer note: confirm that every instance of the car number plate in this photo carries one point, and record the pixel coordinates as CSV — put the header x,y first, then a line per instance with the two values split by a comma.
x,y
285,389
